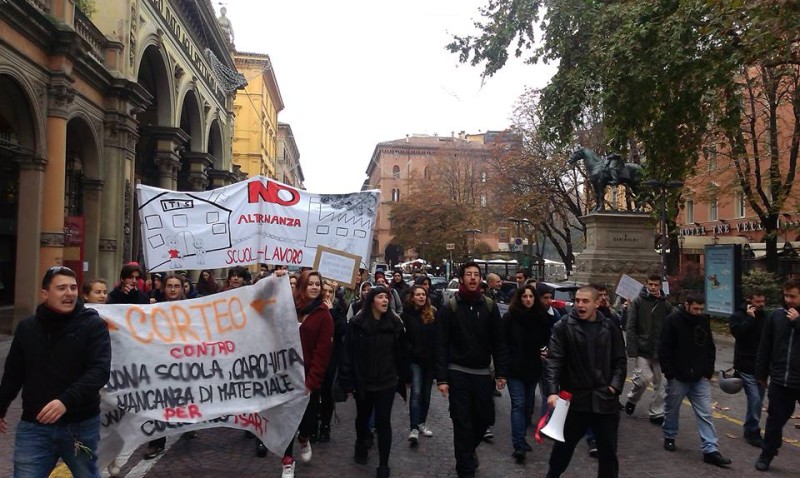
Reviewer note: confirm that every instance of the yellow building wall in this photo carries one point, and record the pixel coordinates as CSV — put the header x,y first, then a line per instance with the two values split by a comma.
x,y
255,140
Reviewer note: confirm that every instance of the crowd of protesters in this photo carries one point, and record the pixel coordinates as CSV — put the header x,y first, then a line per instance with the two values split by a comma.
x,y
384,337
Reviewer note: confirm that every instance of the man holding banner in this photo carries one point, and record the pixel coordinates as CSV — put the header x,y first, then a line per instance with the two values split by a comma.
x,y
60,358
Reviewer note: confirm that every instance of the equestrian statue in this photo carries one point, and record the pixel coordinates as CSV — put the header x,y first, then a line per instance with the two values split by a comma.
x,y
608,171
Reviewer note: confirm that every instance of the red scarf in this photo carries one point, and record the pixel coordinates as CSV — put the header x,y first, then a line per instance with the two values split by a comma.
x,y
469,296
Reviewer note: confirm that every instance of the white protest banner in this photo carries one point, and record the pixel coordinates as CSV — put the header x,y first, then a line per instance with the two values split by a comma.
x,y
232,359
628,287
258,220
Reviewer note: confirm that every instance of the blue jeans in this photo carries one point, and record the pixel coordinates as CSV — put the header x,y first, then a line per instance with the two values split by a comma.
x,y
421,383
699,395
755,398
38,447
523,395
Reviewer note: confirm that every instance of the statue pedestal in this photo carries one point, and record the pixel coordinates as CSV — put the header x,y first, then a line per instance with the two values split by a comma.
x,y
617,243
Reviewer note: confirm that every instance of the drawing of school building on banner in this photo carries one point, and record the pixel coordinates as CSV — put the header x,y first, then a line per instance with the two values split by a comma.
x,y
259,220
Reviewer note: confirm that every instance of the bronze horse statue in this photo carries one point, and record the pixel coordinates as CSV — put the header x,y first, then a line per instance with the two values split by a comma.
x,y
610,170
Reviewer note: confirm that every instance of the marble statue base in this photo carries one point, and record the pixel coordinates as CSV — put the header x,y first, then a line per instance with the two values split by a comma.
x,y
617,243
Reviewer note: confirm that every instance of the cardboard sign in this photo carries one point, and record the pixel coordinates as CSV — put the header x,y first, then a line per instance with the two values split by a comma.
x,y
337,265
628,287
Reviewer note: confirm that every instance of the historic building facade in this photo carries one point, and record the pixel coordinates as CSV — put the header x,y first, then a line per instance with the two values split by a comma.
x,y
289,170
88,109
255,144
395,164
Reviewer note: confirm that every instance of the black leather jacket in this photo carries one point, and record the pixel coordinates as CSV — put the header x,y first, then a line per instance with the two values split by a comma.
x,y
568,365
779,351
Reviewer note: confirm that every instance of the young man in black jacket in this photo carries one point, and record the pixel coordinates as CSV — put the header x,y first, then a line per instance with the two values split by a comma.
x,y
687,356
779,360
746,325
127,292
60,358
470,335
587,359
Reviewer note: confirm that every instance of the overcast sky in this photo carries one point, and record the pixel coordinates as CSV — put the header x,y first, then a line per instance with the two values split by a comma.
x,y
355,73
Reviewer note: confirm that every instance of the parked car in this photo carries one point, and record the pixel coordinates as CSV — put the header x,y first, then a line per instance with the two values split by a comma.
x,y
438,285
564,297
449,291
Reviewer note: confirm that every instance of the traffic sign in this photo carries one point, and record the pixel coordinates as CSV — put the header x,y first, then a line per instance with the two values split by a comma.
x,y
450,247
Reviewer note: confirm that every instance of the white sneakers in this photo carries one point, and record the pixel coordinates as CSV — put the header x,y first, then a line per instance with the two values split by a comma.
x,y
305,452
413,437
288,469
114,470
425,430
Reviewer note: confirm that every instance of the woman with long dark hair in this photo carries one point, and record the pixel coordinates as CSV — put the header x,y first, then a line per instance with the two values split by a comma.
x,y
316,337
207,283
527,332
373,365
326,405
418,317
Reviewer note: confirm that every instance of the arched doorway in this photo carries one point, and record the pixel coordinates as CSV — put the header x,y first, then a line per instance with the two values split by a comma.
x,y
17,143
81,198
190,124
154,122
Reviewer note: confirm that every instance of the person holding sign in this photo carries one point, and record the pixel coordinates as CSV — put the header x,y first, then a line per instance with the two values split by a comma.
x,y
60,358
173,290
373,366
316,337
326,406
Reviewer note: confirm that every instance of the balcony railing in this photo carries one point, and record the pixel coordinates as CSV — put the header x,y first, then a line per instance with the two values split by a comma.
x,y
94,37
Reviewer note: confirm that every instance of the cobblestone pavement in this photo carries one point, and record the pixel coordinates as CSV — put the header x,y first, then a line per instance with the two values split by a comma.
x,y
226,453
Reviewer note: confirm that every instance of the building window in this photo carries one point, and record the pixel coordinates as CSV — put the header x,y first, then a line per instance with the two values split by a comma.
x,y
483,176
712,158
483,200
395,195
712,209
396,172
689,211
739,205
426,173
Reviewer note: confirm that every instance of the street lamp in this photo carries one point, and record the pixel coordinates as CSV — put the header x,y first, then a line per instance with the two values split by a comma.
x,y
663,187
473,232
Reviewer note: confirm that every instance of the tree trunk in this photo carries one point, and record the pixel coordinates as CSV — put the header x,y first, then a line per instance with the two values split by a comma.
x,y
771,241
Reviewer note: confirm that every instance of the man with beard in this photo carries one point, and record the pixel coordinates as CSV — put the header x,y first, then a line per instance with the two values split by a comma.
x,y
687,355
779,360
587,359
470,335
746,325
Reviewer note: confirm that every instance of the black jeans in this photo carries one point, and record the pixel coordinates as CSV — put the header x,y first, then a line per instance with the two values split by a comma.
x,y
307,425
381,402
782,401
471,410
575,427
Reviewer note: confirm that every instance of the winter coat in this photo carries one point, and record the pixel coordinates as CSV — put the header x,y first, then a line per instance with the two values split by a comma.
x,y
471,336
646,316
375,354
779,351
421,338
526,332
686,351
569,364
747,331
316,337
70,362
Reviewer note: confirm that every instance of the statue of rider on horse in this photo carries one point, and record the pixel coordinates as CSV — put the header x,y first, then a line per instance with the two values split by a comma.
x,y
611,170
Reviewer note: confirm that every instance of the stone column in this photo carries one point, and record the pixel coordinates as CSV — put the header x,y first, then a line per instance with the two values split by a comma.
x,y
29,229
60,94
168,145
199,164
